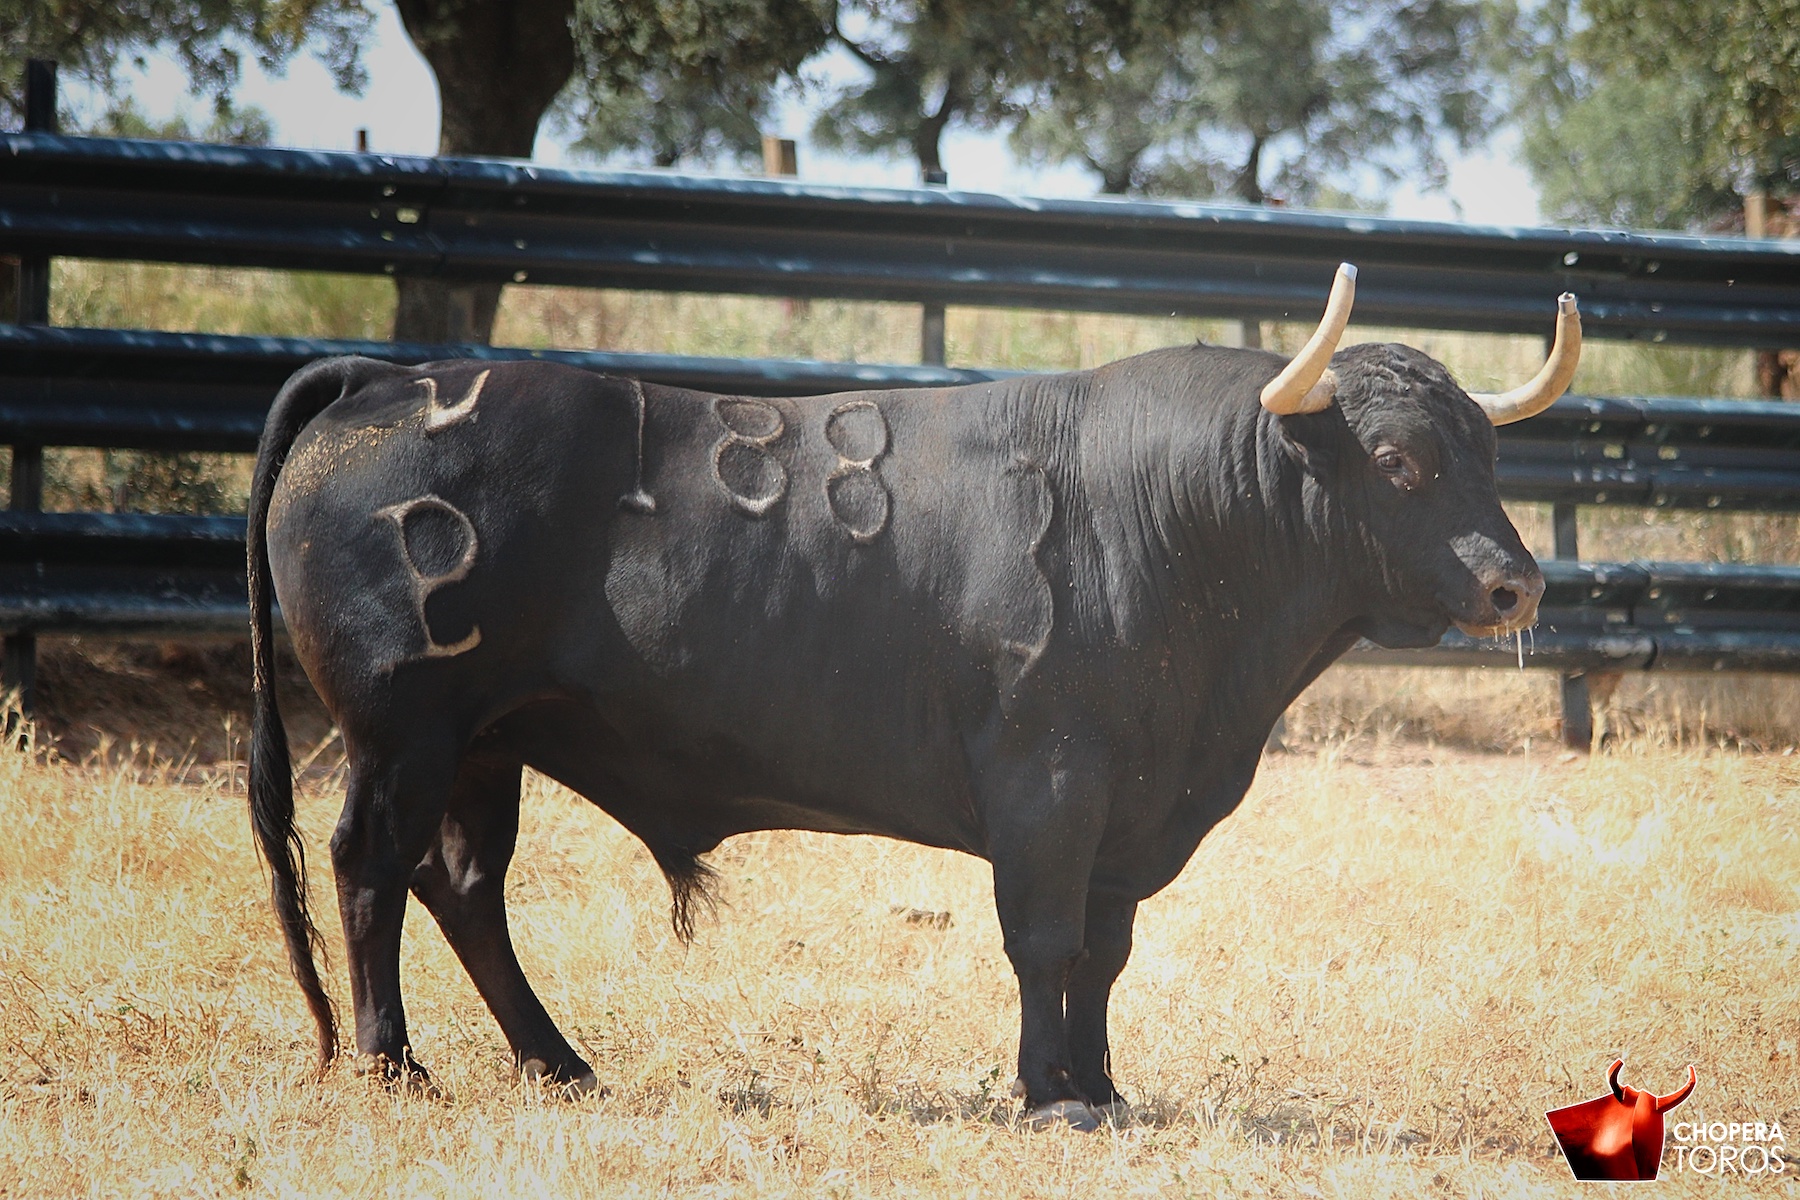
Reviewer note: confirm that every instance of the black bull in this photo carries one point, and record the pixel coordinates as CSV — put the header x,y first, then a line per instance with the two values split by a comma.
x,y
1048,621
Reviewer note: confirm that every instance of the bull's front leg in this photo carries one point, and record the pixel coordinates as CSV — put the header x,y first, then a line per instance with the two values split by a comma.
x,y
1107,942
1043,815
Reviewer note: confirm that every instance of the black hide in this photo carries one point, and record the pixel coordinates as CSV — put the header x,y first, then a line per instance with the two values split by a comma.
x,y
1048,621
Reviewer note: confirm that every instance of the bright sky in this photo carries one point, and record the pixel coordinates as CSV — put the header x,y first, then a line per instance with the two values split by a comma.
x,y
400,111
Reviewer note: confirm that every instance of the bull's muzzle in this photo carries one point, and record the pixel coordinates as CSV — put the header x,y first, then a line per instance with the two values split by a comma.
x,y
1508,602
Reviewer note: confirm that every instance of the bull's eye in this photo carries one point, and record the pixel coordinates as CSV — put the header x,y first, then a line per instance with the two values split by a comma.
x,y
1400,470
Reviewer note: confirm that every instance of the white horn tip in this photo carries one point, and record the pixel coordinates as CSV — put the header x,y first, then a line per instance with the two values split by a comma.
x,y
1348,271
1565,303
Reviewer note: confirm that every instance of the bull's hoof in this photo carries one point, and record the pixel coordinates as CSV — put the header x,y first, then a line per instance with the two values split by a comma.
x,y
1115,1112
536,1070
402,1075
1058,1114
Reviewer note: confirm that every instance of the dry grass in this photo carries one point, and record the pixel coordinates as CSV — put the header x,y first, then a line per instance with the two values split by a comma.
x,y
1419,933
1371,981
1500,710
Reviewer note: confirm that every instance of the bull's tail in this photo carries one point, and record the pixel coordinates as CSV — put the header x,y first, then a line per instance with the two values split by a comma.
x,y
271,775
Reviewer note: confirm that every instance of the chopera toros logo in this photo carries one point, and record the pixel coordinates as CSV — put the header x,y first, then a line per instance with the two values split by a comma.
x,y
1619,1135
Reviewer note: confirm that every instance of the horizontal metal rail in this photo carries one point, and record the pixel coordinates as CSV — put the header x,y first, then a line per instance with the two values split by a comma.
x,y
134,573
500,221
1656,453
506,221
1691,651
64,386
104,387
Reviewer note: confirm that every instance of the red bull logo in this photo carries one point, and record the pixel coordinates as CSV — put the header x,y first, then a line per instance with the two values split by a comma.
x,y
1617,1136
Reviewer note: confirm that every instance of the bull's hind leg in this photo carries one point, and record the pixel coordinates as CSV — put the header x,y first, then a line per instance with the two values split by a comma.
x,y
462,881
394,803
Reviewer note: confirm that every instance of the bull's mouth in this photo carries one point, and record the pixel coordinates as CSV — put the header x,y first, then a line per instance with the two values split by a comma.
x,y
1408,629
1500,630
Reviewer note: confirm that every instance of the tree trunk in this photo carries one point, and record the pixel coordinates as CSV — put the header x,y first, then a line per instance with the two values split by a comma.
x,y
1115,177
925,144
1246,186
931,128
499,64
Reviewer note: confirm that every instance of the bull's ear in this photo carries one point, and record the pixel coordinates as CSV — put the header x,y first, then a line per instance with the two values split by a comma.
x,y
1312,439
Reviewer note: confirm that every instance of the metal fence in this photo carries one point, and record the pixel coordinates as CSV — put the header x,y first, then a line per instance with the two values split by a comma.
x,y
478,220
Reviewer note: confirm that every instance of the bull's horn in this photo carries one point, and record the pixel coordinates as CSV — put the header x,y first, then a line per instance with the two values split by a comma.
x,y
1665,1103
1612,1080
1306,385
1503,408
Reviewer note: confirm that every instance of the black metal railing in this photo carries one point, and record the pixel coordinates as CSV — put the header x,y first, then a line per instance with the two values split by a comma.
x,y
508,222
185,203
89,387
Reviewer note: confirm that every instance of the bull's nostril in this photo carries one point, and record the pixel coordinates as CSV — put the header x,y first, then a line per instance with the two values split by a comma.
x,y
1505,599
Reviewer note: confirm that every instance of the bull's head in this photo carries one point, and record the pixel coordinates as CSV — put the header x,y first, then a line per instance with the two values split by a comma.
x,y
1407,458
1619,1136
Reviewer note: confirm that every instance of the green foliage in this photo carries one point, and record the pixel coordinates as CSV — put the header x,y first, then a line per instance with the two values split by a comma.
x,y
936,63
77,479
686,84
1654,114
231,126
672,118
930,65
1747,52
1131,122
728,46
1291,99
91,39
1631,152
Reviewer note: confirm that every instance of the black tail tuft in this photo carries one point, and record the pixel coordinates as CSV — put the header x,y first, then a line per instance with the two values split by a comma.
x,y
692,884
271,775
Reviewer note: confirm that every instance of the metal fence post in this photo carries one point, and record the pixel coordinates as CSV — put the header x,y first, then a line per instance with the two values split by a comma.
x,y
781,160
931,316
18,663
1577,713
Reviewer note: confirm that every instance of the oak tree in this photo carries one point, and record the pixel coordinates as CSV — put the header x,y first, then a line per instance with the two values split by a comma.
x,y
1657,114
930,65
699,83
90,40
500,63
1297,99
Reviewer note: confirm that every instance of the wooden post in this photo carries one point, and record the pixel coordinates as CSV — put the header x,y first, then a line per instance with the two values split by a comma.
x,y
780,156
31,293
931,333
781,159
1775,375
1756,214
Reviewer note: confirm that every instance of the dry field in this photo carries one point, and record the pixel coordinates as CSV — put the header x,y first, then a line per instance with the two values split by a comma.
x,y
1424,927
1371,981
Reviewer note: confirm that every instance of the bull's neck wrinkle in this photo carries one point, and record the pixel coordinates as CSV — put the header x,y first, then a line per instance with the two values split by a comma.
x,y
1246,540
